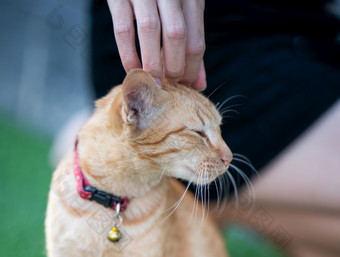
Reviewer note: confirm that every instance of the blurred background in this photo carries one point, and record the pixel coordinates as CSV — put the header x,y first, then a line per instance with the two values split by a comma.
x,y
44,61
45,82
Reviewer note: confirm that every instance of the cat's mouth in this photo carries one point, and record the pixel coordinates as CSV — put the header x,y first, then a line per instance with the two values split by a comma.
x,y
201,177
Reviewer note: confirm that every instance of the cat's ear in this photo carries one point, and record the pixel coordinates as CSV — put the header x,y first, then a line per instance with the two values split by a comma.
x,y
142,98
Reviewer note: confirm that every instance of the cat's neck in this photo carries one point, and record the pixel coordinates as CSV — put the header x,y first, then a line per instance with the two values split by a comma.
x,y
150,204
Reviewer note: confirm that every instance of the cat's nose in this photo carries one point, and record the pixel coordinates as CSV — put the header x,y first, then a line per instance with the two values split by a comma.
x,y
225,153
227,159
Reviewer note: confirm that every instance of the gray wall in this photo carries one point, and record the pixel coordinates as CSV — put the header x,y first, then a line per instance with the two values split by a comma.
x,y
44,66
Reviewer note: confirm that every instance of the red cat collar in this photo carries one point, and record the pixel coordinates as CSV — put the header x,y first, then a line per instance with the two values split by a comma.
x,y
88,192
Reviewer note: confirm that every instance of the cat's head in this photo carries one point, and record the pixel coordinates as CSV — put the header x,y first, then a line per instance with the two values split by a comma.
x,y
168,130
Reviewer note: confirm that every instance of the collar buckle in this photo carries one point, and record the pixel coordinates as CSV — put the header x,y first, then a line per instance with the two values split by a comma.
x,y
103,198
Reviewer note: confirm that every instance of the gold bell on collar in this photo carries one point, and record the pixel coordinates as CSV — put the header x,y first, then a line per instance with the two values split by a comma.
x,y
114,235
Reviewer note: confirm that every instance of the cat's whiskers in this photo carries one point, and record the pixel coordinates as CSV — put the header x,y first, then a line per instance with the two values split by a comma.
x,y
202,204
215,174
203,192
224,185
217,193
227,110
249,185
204,199
195,205
219,106
217,88
241,158
197,200
231,179
244,177
207,187
221,182
161,176
206,204
208,197
178,202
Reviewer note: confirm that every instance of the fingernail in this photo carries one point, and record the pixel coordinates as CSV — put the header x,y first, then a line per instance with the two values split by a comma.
x,y
158,81
204,86
200,85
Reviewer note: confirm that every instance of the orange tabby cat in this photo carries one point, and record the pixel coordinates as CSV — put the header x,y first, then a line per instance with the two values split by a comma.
x,y
139,138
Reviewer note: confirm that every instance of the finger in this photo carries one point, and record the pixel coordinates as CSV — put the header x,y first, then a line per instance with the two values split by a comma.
x,y
148,25
174,38
201,83
195,45
122,17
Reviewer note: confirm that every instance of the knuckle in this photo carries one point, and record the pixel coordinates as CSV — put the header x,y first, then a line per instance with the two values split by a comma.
x,y
122,28
154,68
175,32
174,73
196,49
148,23
128,53
129,59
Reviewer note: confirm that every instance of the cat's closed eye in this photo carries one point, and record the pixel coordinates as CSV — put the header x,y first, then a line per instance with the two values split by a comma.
x,y
201,133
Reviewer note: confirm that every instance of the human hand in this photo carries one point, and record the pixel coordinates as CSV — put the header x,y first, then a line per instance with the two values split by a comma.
x,y
182,26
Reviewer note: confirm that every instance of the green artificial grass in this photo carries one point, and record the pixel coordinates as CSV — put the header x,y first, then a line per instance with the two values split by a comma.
x,y
244,242
24,183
